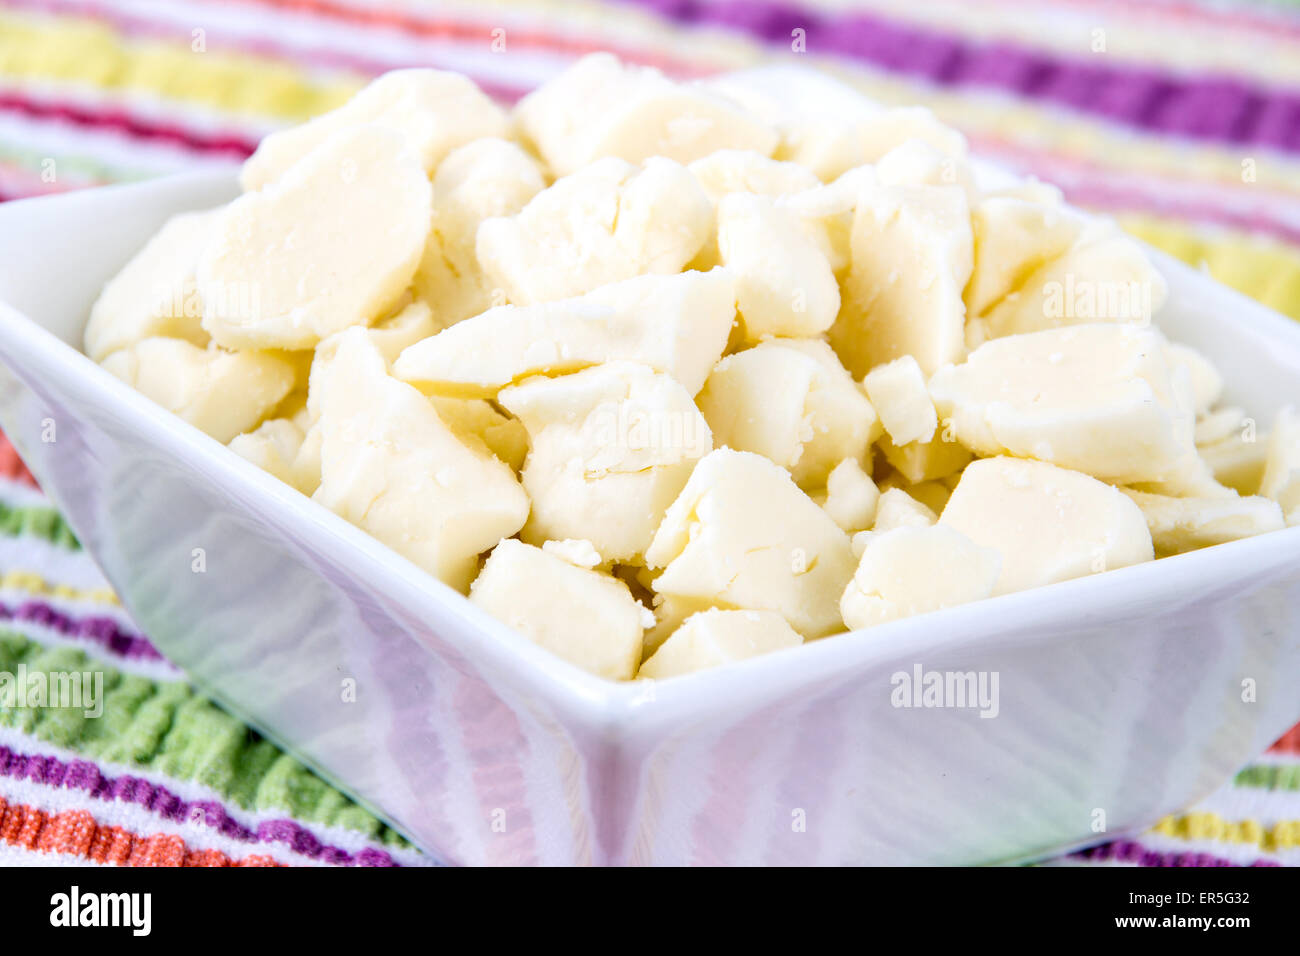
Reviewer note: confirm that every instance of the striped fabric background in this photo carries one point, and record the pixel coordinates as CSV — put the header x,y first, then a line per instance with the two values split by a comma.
x,y
1179,117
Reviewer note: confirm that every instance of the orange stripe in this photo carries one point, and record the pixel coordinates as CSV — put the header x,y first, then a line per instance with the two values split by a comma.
x,y
78,833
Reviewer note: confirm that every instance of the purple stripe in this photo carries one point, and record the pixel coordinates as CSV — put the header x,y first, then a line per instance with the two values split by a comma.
x,y
1208,108
1129,851
85,776
103,631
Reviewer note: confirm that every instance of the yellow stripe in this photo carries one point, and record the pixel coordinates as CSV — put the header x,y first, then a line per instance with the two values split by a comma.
x,y
1265,269
1283,835
81,51
36,585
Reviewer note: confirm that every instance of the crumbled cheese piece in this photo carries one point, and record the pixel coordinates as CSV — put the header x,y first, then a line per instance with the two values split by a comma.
x,y
334,243
586,617
1048,523
610,449
712,638
154,294
604,223
912,570
675,324
1094,398
742,535
602,107
221,393
436,110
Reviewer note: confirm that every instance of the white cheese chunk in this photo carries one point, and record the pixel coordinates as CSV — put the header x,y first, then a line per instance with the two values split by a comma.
x,y
610,449
675,324
911,248
436,110
577,551
1219,425
745,171
392,467
333,244
604,223
586,617
1104,277
784,282
1185,524
390,336
851,496
742,535
1095,398
712,638
272,446
1014,238
912,570
1281,479
897,509
1206,382
1237,462
154,294
477,420
899,395
601,107
933,460
479,181
221,393
1048,523
792,402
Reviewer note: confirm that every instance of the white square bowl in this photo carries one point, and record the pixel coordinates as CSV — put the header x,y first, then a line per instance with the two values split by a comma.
x,y
1121,696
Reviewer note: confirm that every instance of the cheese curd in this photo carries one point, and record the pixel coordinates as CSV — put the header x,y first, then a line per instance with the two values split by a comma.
x,y
154,294
434,109
911,570
610,449
675,324
669,375
586,617
1103,277
712,638
602,107
392,467
479,181
911,259
742,535
221,393
1281,478
1049,524
784,282
1100,399
604,223
897,509
899,395
1185,524
334,243
851,497
791,401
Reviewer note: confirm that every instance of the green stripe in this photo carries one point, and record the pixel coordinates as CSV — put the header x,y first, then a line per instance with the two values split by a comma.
x,y
168,728
38,522
1270,777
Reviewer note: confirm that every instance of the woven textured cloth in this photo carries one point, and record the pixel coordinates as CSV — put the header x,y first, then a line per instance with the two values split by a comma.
x,y
1181,118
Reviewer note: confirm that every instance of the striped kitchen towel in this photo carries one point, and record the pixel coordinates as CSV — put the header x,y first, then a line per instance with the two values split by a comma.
x,y
1179,117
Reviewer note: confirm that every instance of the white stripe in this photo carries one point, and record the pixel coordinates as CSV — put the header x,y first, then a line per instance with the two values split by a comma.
x,y
19,494
73,568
